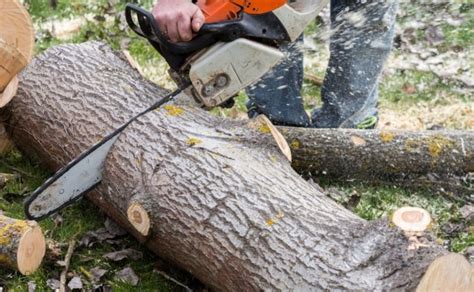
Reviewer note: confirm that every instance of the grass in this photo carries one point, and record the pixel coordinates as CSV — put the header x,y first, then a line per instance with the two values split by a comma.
x,y
77,220
368,202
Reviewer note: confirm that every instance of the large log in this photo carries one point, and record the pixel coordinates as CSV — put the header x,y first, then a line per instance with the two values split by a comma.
x,y
440,160
213,196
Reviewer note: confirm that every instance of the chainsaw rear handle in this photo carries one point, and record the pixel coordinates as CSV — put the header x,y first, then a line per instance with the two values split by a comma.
x,y
149,29
264,27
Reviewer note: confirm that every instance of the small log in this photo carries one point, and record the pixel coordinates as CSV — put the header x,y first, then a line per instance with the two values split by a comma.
x,y
22,244
440,160
451,272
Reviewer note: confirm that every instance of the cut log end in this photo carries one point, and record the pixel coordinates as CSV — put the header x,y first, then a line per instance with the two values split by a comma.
x,y
31,250
22,244
138,217
451,272
411,219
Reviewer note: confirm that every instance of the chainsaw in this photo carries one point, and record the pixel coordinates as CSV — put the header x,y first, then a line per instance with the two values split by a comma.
x,y
235,47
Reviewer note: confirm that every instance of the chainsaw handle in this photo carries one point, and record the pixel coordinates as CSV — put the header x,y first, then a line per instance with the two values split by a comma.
x,y
148,28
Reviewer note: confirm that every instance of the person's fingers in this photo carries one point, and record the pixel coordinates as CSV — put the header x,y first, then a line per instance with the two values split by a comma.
x,y
172,29
197,20
160,19
184,28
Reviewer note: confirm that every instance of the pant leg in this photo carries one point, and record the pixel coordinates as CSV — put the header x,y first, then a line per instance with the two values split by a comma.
x,y
360,43
277,94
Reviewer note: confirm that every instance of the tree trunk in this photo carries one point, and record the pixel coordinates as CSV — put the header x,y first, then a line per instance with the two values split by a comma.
x,y
215,197
22,245
439,160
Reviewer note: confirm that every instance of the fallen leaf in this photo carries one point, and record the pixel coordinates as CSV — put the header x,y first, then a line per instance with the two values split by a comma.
x,y
75,283
123,254
93,237
31,286
97,273
54,250
53,283
113,228
467,213
408,89
127,275
58,220
6,177
434,35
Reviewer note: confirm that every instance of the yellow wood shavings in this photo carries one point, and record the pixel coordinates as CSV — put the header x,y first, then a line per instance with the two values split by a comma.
x,y
437,144
270,222
264,128
295,144
387,137
173,110
193,141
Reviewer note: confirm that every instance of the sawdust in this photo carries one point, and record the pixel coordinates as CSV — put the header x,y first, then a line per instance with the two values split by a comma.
x,y
424,115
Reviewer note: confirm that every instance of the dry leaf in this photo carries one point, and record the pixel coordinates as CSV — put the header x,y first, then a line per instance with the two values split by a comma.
x,y
97,273
31,286
75,283
123,254
53,283
127,275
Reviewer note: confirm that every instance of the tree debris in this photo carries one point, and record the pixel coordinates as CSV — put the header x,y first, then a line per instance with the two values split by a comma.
x,y
127,275
67,260
124,254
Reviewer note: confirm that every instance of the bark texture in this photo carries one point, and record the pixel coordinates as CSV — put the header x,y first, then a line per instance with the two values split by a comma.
x,y
223,202
439,160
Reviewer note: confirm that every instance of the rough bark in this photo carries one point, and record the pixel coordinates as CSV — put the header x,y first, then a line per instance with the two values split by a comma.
x,y
22,245
223,201
440,160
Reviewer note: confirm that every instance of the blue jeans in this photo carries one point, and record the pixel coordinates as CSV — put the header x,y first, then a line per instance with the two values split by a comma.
x,y
361,39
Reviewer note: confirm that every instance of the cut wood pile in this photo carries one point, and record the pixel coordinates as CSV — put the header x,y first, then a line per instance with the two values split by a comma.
x,y
216,197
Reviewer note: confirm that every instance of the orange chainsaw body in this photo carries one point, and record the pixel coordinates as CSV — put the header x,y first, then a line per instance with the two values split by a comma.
x,y
223,10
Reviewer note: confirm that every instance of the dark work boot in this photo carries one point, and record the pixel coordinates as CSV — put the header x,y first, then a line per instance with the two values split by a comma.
x,y
361,40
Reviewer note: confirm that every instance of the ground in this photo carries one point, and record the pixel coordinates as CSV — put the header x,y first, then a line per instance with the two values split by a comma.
x,y
426,85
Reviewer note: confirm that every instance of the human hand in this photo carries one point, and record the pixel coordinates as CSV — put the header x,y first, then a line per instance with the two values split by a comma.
x,y
178,19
